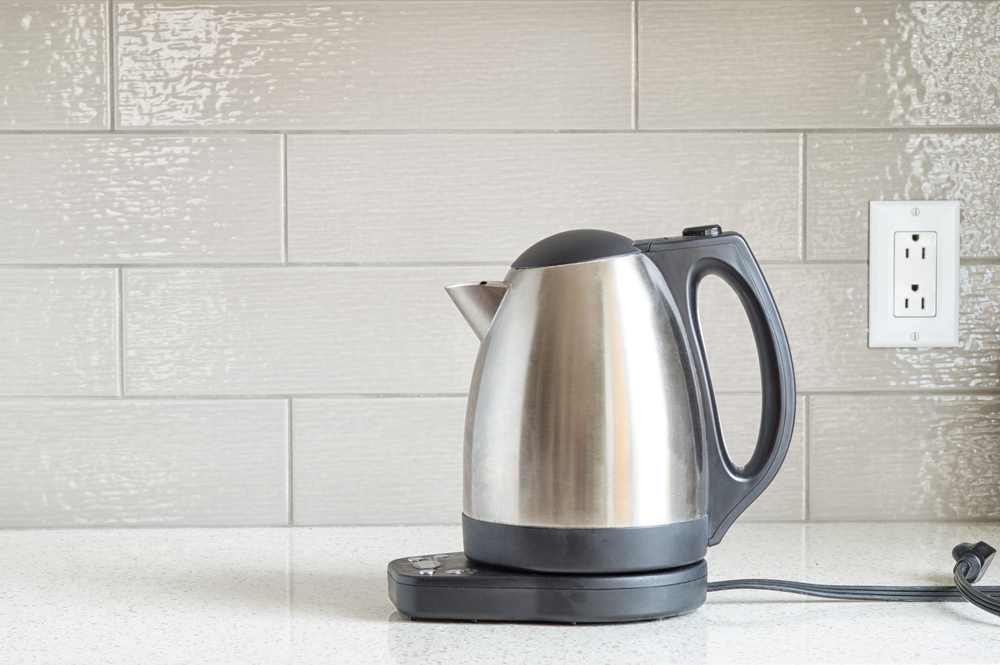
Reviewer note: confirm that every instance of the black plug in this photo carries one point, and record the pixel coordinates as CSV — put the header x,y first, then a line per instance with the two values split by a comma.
x,y
976,557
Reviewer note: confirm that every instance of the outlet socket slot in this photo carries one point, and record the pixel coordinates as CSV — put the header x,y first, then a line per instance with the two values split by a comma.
x,y
914,274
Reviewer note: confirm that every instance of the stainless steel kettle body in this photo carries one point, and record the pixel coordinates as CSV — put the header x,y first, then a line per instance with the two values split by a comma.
x,y
592,442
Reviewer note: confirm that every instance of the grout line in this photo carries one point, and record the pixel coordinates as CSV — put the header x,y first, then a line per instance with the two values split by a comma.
x,y
120,288
979,262
176,266
284,195
635,64
199,131
983,521
163,267
913,392
291,495
803,238
289,590
232,397
400,264
140,397
805,458
184,266
112,74
824,262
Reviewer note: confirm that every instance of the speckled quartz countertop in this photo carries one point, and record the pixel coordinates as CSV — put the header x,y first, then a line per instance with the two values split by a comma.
x,y
318,595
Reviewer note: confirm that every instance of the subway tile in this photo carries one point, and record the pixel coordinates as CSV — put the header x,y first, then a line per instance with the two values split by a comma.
x,y
448,198
846,171
59,334
904,457
297,331
141,199
378,461
131,463
732,358
728,338
390,330
825,312
776,64
377,65
784,498
53,56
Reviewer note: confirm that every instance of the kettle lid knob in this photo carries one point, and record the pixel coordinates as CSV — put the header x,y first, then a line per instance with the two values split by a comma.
x,y
709,231
574,247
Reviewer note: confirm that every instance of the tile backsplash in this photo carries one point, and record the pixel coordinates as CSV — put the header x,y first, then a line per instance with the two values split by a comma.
x,y
226,229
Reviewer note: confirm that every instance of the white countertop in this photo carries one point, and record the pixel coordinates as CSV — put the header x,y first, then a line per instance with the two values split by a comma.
x,y
318,595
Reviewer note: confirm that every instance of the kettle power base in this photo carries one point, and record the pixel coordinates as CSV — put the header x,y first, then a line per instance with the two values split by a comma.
x,y
451,587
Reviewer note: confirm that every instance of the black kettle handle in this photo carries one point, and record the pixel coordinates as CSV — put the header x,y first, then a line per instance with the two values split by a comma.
x,y
684,262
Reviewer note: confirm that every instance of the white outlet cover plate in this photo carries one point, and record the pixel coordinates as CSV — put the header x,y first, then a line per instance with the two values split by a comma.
x,y
886,218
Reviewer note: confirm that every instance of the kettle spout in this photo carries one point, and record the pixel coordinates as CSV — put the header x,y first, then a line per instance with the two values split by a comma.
x,y
478,303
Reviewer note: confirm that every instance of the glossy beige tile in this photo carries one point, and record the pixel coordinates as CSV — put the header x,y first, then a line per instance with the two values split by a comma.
x,y
728,339
58,332
378,461
130,463
885,457
455,198
846,171
141,199
732,359
776,64
825,312
379,65
784,499
53,59
297,331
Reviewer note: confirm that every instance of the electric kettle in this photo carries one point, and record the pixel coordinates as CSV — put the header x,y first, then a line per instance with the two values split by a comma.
x,y
595,471
592,437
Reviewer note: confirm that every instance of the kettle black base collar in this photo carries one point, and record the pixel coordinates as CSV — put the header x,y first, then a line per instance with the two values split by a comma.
x,y
610,550
451,587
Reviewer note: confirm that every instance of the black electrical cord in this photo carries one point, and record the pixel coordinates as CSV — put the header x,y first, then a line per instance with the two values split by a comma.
x,y
972,561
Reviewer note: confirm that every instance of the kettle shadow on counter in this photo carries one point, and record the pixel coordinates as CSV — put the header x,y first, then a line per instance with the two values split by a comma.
x,y
325,596
680,639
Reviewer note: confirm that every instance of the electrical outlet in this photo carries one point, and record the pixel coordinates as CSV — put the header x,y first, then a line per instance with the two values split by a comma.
x,y
913,274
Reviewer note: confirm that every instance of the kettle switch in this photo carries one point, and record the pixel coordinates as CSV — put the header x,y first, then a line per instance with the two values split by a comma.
x,y
709,231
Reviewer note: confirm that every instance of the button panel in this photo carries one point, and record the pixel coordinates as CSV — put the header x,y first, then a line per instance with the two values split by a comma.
x,y
426,565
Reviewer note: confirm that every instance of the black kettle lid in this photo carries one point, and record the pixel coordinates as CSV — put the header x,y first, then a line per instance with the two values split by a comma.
x,y
574,247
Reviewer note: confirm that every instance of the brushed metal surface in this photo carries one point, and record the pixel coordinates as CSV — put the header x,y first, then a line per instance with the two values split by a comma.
x,y
58,332
904,457
375,65
846,171
579,411
140,199
775,64
478,303
53,65
152,463
493,195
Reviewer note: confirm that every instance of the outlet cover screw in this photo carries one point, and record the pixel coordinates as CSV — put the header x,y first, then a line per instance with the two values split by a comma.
x,y
915,212
914,336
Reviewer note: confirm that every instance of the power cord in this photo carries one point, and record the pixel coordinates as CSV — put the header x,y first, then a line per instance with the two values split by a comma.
x,y
971,564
